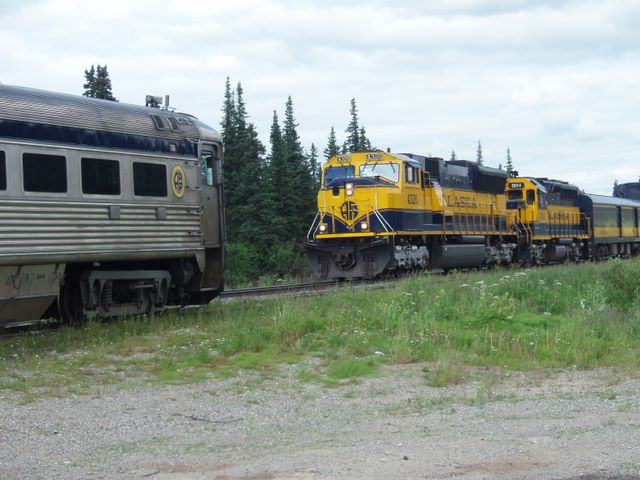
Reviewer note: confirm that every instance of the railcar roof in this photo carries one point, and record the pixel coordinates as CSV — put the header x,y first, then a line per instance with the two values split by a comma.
x,y
617,201
24,104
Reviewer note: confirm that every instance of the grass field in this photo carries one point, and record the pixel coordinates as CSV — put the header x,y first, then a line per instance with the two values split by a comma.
x,y
582,316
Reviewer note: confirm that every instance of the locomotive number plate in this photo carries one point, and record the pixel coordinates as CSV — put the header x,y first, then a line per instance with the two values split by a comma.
x,y
516,185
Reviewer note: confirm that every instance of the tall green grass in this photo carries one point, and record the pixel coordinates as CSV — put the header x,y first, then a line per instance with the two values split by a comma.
x,y
583,315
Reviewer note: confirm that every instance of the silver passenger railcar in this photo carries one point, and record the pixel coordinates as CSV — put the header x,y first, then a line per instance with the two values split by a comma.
x,y
105,208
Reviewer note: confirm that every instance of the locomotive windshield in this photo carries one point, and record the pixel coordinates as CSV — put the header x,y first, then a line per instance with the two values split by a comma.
x,y
514,194
389,171
332,174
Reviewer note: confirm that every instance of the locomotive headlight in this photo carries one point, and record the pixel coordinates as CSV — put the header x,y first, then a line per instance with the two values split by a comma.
x,y
322,228
348,189
364,226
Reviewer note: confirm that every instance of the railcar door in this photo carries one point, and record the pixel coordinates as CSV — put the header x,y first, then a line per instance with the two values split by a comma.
x,y
211,194
619,220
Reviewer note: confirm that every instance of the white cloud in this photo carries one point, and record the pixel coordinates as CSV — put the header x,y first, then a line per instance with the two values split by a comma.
x,y
556,81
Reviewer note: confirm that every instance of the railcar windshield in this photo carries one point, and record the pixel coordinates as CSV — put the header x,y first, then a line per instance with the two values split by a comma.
x,y
389,171
331,174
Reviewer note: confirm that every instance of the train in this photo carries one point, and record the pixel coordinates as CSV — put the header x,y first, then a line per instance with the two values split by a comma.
x,y
106,208
381,213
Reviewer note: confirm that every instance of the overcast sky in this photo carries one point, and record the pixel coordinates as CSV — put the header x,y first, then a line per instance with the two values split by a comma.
x,y
558,82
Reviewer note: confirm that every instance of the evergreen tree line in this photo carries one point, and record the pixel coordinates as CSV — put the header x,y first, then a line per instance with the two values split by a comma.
x,y
270,198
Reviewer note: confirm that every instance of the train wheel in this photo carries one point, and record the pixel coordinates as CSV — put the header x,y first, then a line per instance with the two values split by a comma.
x,y
70,303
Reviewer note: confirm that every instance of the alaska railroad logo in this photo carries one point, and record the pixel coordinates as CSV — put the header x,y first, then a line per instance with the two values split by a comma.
x,y
349,211
178,181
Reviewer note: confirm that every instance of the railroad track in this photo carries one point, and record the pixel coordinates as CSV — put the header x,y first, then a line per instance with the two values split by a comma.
x,y
278,289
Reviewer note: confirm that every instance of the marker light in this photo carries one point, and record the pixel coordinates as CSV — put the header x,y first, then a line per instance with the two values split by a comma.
x,y
322,228
364,226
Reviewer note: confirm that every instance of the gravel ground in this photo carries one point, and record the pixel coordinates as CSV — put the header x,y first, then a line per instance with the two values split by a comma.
x,y
540,425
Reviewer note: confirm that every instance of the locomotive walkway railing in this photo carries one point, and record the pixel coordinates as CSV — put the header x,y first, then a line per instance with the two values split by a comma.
x,y
485,219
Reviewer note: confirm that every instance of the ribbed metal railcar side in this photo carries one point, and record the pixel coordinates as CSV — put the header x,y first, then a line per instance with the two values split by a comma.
x,y
59,232
45,237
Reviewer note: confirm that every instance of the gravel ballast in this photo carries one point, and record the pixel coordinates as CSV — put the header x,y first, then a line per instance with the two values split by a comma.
x,y
537,425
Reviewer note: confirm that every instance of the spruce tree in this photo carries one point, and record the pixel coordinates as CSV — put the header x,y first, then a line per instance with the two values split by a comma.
x,y
98,83
303,207
453,155
243,170
231,160
332,145
89,84
479,160
248,172
314,166
241,109
278,182
615,185
365,143
228,112
352,143
103,84
509,162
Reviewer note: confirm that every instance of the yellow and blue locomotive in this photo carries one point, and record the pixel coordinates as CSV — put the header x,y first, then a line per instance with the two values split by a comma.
x,y
546,218
381,212
384,212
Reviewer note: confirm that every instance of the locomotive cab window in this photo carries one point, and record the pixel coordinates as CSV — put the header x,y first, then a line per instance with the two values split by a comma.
x,y
388,171
531,197
3,171
337,173
514,194
206,168
410,174
149,179
44,173
100,177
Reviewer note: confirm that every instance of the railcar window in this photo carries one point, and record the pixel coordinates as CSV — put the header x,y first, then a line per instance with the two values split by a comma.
x,y
100,177
206,168
3,171
149,179
390,171
44,173
336,173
